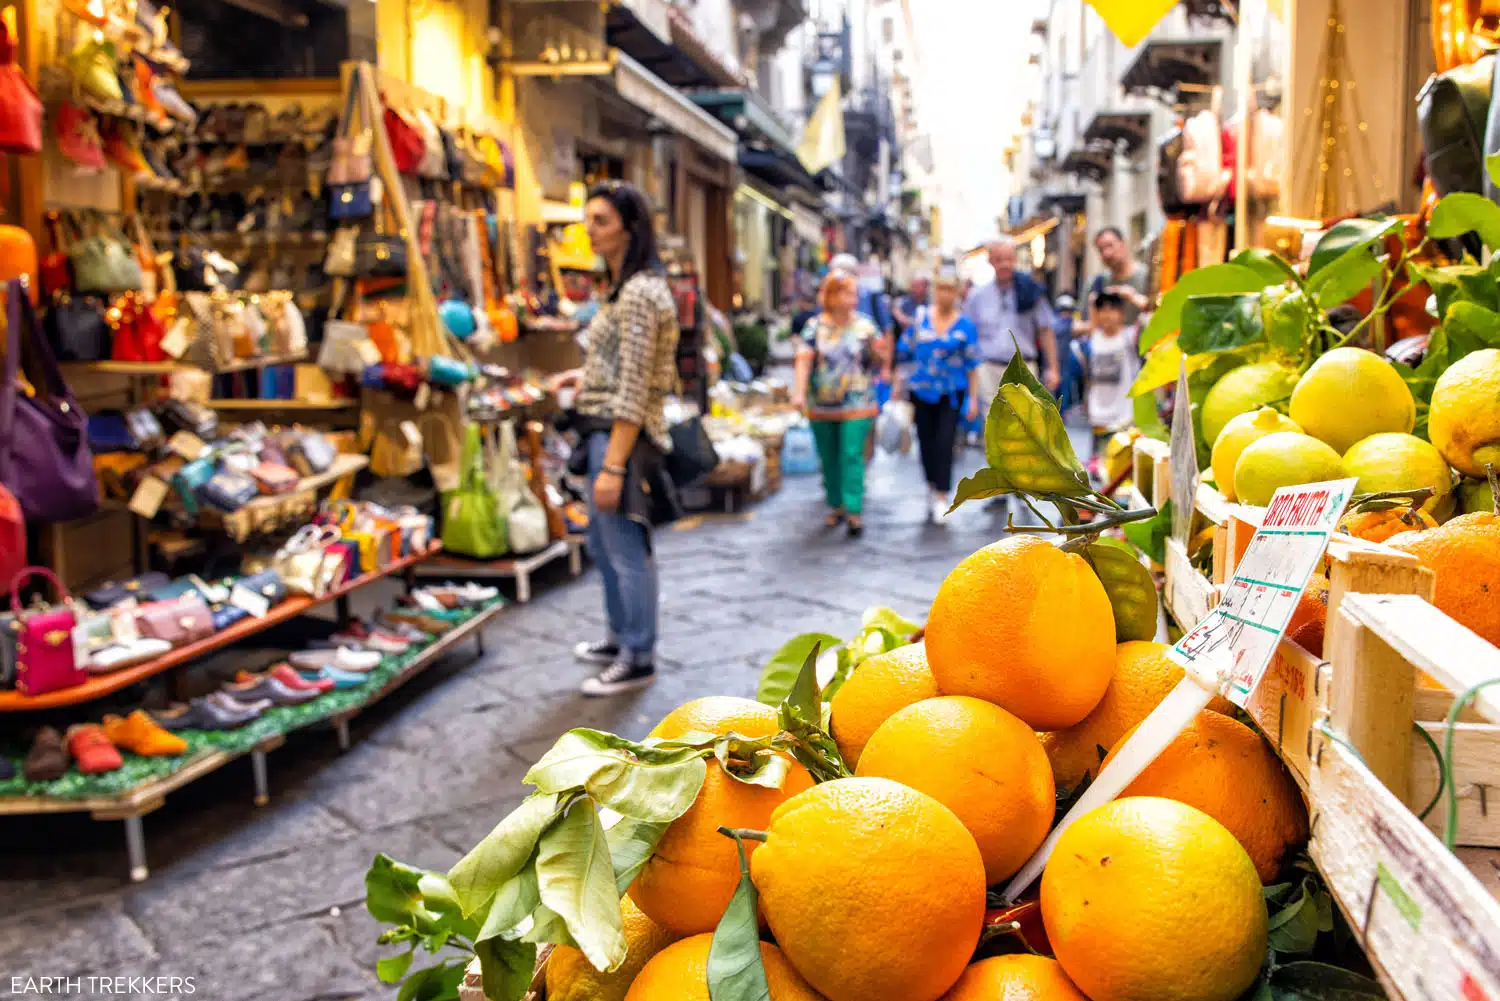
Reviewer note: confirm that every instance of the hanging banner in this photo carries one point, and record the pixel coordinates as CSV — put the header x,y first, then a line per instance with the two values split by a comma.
x,y
1132,20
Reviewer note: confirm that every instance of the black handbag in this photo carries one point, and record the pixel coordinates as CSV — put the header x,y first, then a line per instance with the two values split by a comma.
x,y
692,456
140,588
77,330
1453,112
377,256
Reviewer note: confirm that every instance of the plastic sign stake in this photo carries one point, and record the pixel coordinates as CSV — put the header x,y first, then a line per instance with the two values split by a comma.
x,y
1229,650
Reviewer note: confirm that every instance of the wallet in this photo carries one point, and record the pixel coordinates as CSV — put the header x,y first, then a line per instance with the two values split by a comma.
x,y
267,583
229,491
311,454
273,478
118,655
111,594
179,621
226,615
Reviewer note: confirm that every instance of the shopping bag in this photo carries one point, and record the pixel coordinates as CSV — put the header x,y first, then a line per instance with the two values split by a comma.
x,y
473,524
894,425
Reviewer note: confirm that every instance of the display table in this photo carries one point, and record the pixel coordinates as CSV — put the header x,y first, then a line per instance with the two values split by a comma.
x,y
517,568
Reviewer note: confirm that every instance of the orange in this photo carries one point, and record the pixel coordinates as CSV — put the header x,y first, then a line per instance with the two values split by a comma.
x,y
1465,555
1310,617
1026,626
719,714
687,882
980,762
680,973
1378,526
877,688
1015,978
874,891
1222,767
1142,678
1147,899
571,977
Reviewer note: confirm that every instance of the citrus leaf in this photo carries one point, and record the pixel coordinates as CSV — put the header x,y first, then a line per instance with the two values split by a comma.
x,y
643,781
1306,981
1349,236
631,844
577,882
804,701
513,903
1492,168
1220,322
1131,590
1286,316
1272,267
548,927
736,970
1148,419
780,672
985,483
1216,279
1457,283
478,876
1470,327
1344,278
1150,536
1464,212
1026,442
394,895
1018,373
752,760
434,983
1295,925
505,968
391,969
881,617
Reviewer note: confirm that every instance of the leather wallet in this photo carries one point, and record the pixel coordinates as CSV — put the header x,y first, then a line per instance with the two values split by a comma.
x,y
180,415
226,615
191,478
179,621
273,478
169,590
229,491
112,593
118,655
145,429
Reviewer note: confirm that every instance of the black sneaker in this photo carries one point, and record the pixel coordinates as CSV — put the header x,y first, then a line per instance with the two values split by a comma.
x,y
597,653
619,677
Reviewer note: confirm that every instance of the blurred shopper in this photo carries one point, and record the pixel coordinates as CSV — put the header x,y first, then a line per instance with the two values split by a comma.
x,y
628,370
1070,393
942,351
1011,313
873,302
841,355
910,306
1108,357
1124,277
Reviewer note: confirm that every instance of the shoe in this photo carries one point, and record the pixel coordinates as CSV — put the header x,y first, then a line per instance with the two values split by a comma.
x,y
597,653
617,678
7,769
48,757
92,749
270,689
365,638
339,679
939,510
405,631
423,621
343,658
285,674
206,713
138,732
856,527
232,705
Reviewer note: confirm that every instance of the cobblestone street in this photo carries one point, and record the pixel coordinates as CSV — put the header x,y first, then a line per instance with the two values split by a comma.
x,y
265,903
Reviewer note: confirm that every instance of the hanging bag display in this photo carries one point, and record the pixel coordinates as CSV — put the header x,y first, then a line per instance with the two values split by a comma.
x,y
44,450
20,107
1200,169
12,535
103,263
472,521
525,518
44,640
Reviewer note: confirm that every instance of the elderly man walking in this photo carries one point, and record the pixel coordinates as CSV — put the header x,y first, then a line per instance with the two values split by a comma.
x,y
1011,313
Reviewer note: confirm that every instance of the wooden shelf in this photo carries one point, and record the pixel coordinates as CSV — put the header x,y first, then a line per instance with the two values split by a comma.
x,y
104,684
299,405
146,368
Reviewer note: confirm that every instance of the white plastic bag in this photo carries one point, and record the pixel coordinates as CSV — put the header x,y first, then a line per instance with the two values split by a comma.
x,y
893,427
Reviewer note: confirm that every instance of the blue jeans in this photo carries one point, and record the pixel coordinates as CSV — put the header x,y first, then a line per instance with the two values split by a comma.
x,y
622,549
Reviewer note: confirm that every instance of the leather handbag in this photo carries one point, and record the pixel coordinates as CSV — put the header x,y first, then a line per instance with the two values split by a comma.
x,y
174,588
304,561
350,201
407,146
449,372
1453,109
12,535
20,107
188,480
351,163
44,640
104,264
92,64
1201,177
111,594
229,491
473,524
692,456
274,478
434,163
379,256
137,331
78,139
179,621
339,261
267,583
77,328
44,451
312,453
526,526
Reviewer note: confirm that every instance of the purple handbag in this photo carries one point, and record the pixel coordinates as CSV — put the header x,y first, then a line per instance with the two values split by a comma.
x,y
44,444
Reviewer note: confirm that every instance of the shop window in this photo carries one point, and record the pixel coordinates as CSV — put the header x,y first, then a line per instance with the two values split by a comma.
x,y
227,42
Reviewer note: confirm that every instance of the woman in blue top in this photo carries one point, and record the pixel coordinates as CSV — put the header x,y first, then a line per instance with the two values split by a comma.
x,y
942,351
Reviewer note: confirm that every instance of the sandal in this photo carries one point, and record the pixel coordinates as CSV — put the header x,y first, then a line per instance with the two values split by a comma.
x,y
834,519
856,526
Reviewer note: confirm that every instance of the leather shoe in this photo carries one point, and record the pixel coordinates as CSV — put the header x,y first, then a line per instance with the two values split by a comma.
x,y
48,757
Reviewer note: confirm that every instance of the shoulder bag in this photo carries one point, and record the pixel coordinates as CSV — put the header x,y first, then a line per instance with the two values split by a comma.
x,y
44,641
44,450
472,521
1200,168
1452,116
525,518
104,263
20,107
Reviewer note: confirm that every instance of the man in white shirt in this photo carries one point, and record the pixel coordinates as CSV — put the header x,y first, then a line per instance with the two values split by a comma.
x,y
1012,313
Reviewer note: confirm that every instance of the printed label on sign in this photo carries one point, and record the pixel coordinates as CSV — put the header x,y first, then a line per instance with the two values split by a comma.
x,y
1237,639
186,444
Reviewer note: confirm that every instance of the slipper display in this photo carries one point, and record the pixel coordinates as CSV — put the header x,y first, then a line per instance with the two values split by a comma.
x,y
138,732
92,750
340,679
48,757
288,676
209,712
342,658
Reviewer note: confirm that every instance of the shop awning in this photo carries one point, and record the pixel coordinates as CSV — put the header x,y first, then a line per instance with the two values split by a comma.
x,y
747,113
667,46
1093,161
777,167
1163,66
807,223
648,92
1129,128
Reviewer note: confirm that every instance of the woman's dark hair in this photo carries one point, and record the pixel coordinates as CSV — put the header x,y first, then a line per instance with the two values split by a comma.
x,y
635,216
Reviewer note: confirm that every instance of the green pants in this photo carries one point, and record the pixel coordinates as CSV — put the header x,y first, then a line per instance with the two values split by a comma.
x,y
841,450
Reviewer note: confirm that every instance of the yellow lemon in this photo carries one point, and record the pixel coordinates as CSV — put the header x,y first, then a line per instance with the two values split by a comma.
x,y
1395,461
1464,422
1283,459
1238,434
1247,388
1350,394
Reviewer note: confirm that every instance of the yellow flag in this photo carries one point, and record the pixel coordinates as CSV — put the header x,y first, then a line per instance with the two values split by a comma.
x,y
822,142
1132,20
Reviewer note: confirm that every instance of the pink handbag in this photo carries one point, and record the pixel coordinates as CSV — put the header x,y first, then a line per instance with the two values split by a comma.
x,y
44,640
1201,177
179,621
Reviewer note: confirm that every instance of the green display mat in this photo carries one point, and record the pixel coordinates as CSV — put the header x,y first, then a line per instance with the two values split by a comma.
x,y
138,770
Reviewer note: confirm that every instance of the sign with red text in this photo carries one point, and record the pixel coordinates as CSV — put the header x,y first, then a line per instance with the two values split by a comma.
x,y
1237,639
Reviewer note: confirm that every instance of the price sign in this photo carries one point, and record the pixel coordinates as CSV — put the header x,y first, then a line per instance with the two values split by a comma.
x,y
1238,638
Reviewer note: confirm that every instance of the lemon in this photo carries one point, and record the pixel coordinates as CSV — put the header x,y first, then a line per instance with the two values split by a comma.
x,y
1477,497
1237,434
1242,390
1283,459
1464,422
1394,461
1350,394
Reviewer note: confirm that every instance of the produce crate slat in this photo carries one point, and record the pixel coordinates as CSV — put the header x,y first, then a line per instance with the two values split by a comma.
x,y
1408,624
1476,776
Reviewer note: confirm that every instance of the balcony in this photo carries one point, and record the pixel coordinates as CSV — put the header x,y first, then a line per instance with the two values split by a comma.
x,y
1165,67
1127,129
1213,10
773,20
1092,161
